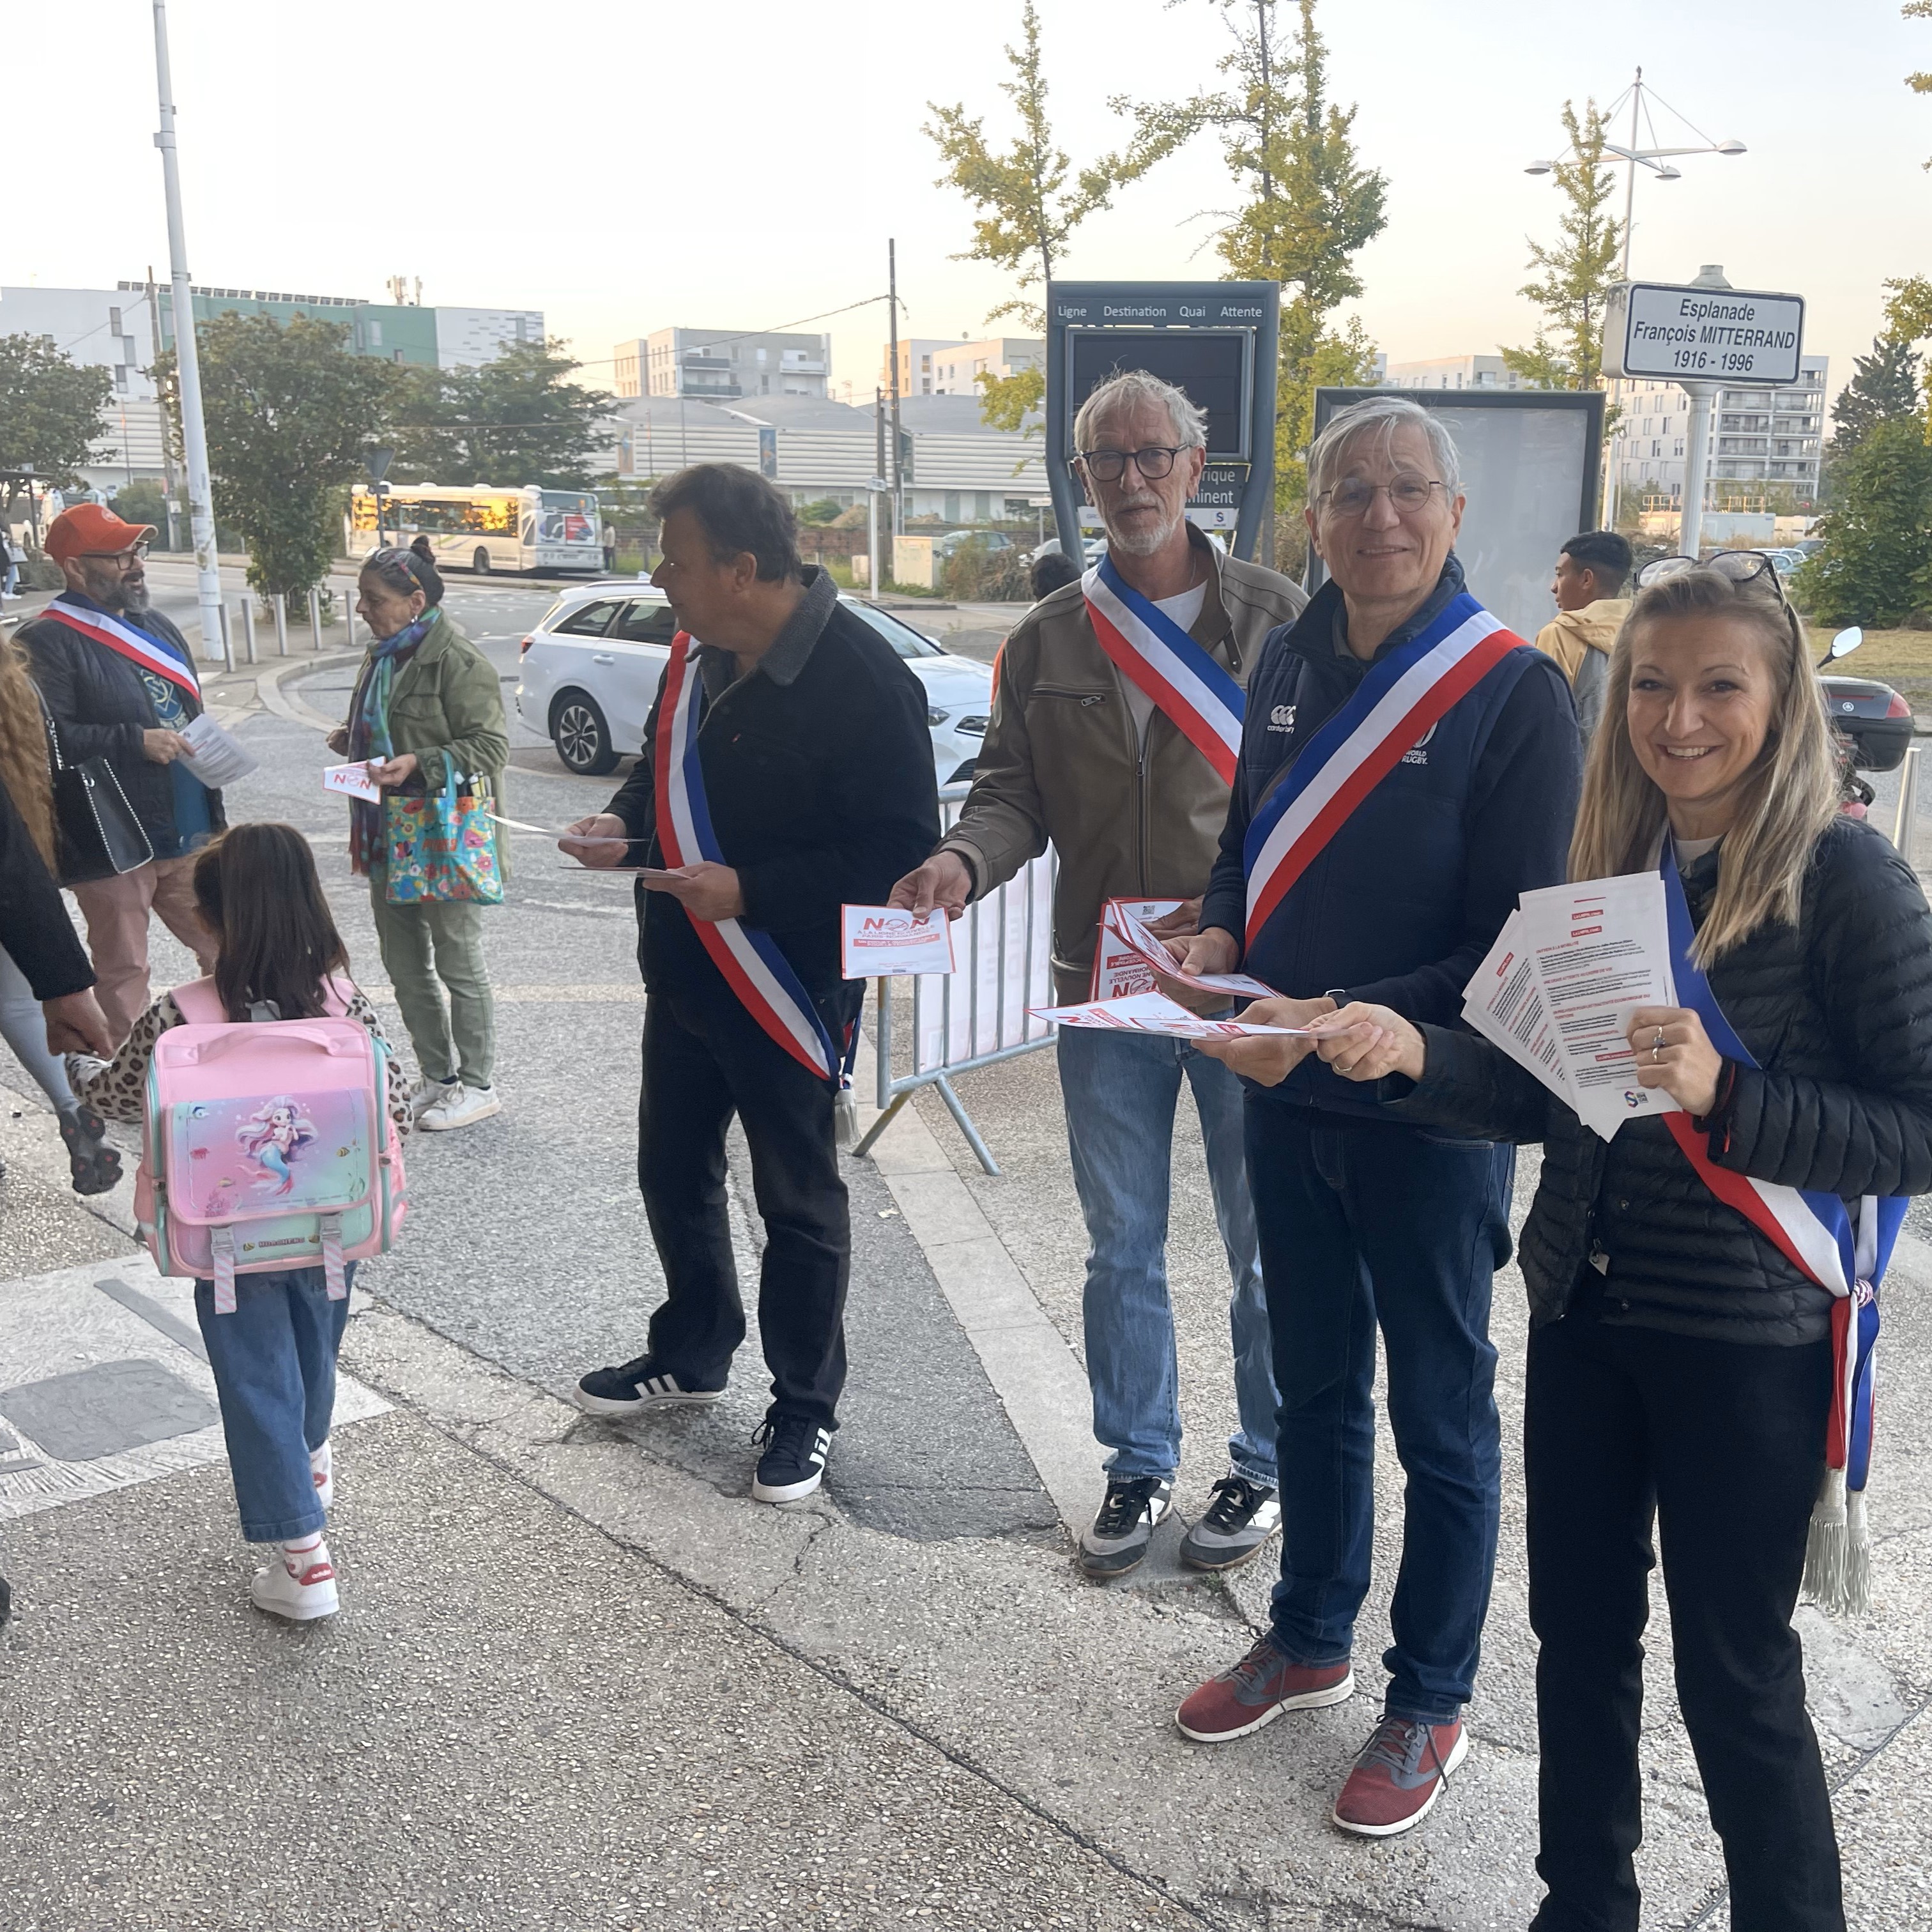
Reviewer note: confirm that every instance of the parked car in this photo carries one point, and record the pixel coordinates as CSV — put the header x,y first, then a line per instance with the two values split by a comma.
x,y
954,540
1875,720
589,670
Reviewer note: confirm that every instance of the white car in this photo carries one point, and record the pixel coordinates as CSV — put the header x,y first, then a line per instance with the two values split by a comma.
x,y
590,670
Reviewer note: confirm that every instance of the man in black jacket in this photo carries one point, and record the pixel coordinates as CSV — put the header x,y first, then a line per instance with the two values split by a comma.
x,y
120,681
800,778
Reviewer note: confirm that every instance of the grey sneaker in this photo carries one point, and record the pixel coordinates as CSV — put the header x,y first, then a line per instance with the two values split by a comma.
x,y
1126,1524
1241,1518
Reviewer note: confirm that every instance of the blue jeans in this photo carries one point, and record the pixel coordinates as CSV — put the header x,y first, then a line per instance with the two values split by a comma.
x,y
1119,1091
1363,1222
274,1360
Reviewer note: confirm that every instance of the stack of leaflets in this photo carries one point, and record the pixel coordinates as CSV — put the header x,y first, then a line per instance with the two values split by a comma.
x,y
1558,989
1155,1012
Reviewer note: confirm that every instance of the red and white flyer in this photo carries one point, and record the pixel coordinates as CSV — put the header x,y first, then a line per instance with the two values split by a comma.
x,y
881,942
1155,1012
1127,923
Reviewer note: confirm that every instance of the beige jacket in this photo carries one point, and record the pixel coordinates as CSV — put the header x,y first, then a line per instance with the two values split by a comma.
x,y
1062,762
1570,633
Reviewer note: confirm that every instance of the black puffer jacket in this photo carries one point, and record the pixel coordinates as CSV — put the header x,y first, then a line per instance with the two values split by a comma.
x,y
1838,1013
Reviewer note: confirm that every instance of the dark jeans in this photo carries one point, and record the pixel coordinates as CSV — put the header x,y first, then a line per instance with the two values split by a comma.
x,y
706,1059
1362,1223
1722,1444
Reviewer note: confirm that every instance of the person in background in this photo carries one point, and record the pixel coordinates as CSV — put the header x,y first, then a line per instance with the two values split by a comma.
x,y
1048,571
1409,768
39,937
1590,573
94,1165
279,958
1113,773
426,702
120,682
788,772
1680,1369
422,549
607,535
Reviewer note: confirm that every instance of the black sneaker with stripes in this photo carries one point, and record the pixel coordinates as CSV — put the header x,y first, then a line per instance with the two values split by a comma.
x,y
793,1462
636,1387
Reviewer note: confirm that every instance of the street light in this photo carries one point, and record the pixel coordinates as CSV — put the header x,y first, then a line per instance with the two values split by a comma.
x,y
1657,159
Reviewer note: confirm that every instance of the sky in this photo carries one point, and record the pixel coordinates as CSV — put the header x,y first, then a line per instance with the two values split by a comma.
x,y
626,164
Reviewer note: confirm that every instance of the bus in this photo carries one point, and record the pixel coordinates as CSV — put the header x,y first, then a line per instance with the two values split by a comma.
x,y
483,530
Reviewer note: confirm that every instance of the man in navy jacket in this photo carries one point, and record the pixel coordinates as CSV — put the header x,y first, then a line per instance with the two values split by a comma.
x,y
1365,1224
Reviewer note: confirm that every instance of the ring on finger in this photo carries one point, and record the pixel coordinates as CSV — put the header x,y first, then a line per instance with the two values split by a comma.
x,y
1657,1045
1657,1051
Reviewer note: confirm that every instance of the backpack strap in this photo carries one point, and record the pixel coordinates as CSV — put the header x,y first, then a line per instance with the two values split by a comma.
x,y
222,1241
332,1258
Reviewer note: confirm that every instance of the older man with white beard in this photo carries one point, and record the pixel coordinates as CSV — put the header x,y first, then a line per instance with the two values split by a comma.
x,y
1091,748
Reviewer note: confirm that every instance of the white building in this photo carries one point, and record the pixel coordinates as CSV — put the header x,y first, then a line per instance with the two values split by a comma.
x,y
952,466
1762,440
720,365
933,366
1454,372
123,329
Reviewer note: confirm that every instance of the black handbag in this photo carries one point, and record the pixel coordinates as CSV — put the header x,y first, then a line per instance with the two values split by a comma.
x,y
99,834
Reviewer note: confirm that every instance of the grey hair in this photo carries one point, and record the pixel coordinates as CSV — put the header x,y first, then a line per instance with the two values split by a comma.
x,y
1380,417
1129,386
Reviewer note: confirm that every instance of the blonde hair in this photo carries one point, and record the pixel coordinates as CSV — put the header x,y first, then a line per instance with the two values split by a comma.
x,y
23,751
1791,794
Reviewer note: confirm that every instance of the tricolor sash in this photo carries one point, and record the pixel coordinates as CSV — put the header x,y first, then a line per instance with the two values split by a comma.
x,y
754,967
1197,696
1393,708
1815,1233
149,653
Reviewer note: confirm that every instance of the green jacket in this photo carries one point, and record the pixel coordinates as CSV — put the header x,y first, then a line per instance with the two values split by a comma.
x,y
447,706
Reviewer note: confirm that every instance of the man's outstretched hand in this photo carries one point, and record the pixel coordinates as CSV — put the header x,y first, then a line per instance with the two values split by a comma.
x,y
76,1024
942,881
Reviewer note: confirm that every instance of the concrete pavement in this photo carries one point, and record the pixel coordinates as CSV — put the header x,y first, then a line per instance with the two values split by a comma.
x,y
581,1680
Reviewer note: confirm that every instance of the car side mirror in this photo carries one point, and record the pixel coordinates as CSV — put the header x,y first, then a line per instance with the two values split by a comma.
x,y
1843,644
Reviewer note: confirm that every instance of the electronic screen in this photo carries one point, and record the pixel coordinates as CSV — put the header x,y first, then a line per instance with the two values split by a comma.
x,y
1212,365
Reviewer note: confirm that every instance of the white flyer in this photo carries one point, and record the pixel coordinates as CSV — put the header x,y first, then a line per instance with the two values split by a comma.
x,y
352,781
1118,968
1602,949
1504,1004
1130,929
218,758
1155,1012
879,941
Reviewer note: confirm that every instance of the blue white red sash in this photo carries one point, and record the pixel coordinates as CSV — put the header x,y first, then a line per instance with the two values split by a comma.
x,y
149,653
756,971
1198,696
1392,709
1813,1232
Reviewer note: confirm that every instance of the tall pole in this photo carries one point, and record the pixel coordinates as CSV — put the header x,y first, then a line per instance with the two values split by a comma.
x,y
167,447
893,303
1630,168
188,364
1697,438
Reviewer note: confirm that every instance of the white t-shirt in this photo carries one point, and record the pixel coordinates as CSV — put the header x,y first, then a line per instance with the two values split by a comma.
x,y
1184,610
1690,851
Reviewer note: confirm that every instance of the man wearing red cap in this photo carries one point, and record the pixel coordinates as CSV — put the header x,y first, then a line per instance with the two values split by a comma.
x,y
119,680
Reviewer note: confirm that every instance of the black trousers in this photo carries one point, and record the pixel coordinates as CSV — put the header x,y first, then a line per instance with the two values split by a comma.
x,y
1723,1445
706,1059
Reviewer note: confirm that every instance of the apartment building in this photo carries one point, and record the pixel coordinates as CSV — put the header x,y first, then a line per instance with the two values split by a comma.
x,y
1454,372
931,366
720,365
1765,443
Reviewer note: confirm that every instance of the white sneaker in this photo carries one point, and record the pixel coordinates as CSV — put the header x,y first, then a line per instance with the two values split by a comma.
x,y
426,1093
322,1466
301,1597
463,1108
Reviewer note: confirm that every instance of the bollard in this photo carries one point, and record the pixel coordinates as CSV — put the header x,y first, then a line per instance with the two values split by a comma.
x,y
314,619
1906,825
248,625
281,606
227,642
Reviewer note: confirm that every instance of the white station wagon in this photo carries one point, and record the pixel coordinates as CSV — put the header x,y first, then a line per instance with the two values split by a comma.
x,y
590,671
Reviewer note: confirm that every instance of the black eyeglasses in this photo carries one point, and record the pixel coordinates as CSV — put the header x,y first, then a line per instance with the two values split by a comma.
x,y
1746,569
120,559
1410,495
1109,465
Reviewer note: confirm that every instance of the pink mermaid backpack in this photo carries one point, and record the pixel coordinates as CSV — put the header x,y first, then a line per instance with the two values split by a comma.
x,y
268,1144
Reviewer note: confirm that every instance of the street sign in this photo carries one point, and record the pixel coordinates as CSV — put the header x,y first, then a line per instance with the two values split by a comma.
x,y
376,461
1702,334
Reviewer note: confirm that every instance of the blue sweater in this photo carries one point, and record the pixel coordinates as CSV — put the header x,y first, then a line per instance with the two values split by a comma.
x,y
1401,903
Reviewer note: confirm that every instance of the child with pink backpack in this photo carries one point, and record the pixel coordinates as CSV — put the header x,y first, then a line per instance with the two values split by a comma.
x,y
273,1111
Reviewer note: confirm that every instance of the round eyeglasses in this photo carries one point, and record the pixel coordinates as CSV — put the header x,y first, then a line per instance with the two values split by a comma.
x,y
1408,494
1109,465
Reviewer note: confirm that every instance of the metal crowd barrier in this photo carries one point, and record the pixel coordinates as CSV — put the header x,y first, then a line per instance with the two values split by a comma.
x,y
977,1015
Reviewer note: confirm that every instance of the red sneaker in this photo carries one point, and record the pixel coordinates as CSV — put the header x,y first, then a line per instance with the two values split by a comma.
x,y
1257,1691
1402,1770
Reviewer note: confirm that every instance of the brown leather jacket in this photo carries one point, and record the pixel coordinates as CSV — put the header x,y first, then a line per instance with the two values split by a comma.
x,y
1061,762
